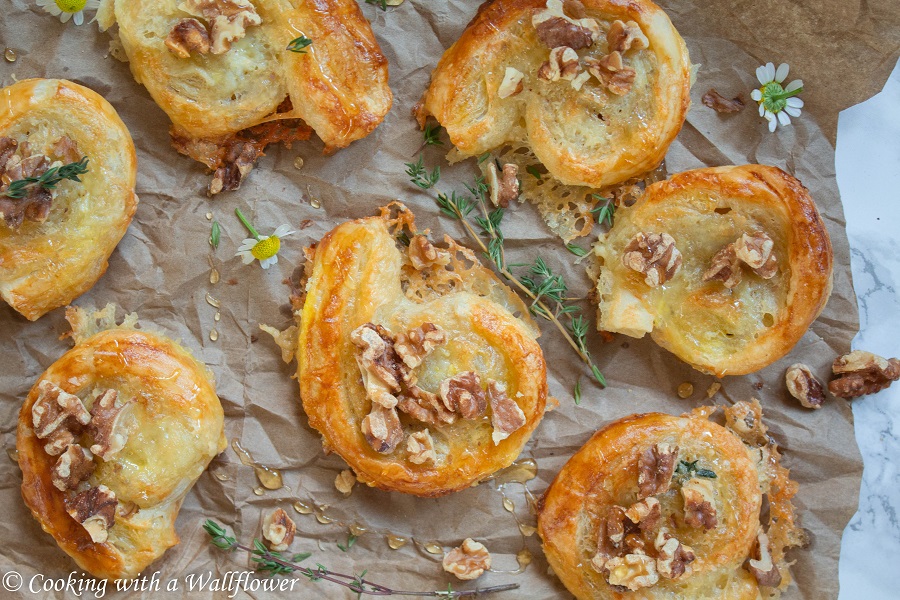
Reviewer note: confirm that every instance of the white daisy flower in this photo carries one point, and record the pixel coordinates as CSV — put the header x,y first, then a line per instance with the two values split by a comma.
x,y
69,9
777,104
263,248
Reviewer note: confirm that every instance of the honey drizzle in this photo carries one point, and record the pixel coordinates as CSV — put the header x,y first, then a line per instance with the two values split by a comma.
x,y
269,478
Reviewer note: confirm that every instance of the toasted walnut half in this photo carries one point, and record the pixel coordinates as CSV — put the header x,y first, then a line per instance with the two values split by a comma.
x,y
381,367
512,83
633,571
745,419
622,37
555,28
345,481
761,566
415,345
804,386
420,447
95,509
755,249
562,64
506,416
106,426
724,267
463,394
655,468
72,467
278,530
503,186
673,559
228,20
424,254
861,373
720,103
654,255
610,535
57,417
645,513
612,73
468,561
382,429
189,36
699,503
425,406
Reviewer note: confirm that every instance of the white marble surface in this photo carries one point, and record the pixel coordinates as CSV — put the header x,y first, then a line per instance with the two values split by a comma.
x,y
868,174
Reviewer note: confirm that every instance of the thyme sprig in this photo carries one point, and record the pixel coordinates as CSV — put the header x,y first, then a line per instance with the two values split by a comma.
x,y
604,211
276,564
687,469
48,180
420,176
547,290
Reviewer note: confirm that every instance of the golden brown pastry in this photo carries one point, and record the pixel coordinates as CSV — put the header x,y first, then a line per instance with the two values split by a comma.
x,y
222,72
55,243
111,438
656,506
411,362
597,89
725,267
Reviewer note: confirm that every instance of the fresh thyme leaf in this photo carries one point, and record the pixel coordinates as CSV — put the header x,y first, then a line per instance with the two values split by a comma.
x,y
432,135
576,394
403,238
49,180
576,250
685,470
214,235
220,539
705,473
597,374
351,539
455,206
382,4
603,212
533,171
420,176
484,157
299,44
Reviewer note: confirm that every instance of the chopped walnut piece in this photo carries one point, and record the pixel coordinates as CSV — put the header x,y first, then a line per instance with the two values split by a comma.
x,y
57,417
861,373
745,419
574,9
612,73
468,561
610,535
189,36
95,509
66,150
235,166
674,558
381,367
463,394
699,504
278,530
345,481
506,416
655,468
622,37
382,429
72,467
654,255
720,103
580,80
724,267
761,566
228,20
8,147
756,250
35,204
512,84
106,426
503,187
804,386
424,406
416,344
562,64
560,31
633,571
423,254
645,513
420,447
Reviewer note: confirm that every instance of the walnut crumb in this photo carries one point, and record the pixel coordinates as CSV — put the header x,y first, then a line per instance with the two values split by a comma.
x,y
467,561
610,535
720,103
278,530
424,406
674,559
562,64
654,255
612,73
95,509
804,386
655,468
345,481
512,84
761,565
645,513
57,417
632,571
423,254
699,503
420,447
861,373
503,186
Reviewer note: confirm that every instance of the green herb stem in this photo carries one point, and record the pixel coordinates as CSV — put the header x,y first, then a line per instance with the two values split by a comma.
x,y
247,224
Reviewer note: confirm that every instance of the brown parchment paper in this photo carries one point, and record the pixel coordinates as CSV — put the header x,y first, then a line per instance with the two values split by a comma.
x,y
161,271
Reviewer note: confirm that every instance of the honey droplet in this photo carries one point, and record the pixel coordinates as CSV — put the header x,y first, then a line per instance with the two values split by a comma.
x,y
315,203
214,276
509,505
358,530
433,548
10,55
298,162
527,530
218,316
521,471
212,301
209,216
220,475
269,477
302,507
524,558
13,455
395,542
213,335
322,518
259,491
685,390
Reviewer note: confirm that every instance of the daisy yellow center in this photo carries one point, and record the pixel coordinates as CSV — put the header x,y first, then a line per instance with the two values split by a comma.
x,y
71,6
266,248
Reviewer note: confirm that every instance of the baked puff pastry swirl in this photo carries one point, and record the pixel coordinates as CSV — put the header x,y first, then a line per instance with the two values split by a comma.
x,y
725,267
55,243
222,71
656,506
597,89
110,440
411,362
